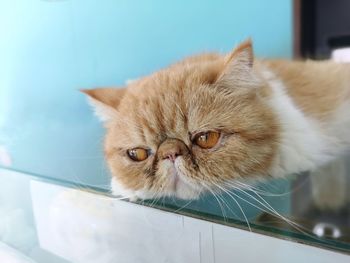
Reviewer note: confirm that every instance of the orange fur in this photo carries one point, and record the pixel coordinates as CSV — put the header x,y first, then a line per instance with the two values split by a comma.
x,y
202,93
318,88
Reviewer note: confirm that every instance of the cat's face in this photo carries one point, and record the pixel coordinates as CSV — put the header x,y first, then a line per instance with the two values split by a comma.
x,y
191,128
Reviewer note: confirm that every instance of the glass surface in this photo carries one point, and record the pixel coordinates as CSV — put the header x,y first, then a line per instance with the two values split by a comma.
x,y
47,128
259,210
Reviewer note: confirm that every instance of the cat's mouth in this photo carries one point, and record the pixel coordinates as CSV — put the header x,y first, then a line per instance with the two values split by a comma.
x,y
176,180
179,185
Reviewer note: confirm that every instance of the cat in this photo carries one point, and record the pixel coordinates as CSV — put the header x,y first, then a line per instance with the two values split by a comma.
x,y
211,121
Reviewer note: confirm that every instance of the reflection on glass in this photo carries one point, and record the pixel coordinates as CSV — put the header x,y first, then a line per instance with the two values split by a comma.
x,y
46,219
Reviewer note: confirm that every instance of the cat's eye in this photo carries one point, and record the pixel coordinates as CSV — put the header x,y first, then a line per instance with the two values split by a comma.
x,y
138,154
207,140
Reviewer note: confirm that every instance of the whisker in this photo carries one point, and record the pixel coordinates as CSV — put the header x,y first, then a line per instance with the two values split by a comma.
x,y
226,203
265,193
184,206
296,226
221,208
121,198
239,206
249,187
154,198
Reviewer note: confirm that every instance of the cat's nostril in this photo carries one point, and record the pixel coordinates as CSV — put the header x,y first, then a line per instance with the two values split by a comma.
x,y
171,149
171,156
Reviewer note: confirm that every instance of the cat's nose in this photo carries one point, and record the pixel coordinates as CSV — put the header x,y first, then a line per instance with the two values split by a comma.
x,y
171,149
171,155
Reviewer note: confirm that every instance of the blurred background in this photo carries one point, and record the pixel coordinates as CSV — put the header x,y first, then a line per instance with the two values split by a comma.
x,y
51,49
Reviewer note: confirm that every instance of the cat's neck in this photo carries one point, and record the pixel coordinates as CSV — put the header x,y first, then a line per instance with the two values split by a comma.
x,y
317,88
305,142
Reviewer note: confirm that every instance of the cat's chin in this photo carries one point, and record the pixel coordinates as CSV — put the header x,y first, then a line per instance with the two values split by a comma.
x,y
120,191
182,191
186,193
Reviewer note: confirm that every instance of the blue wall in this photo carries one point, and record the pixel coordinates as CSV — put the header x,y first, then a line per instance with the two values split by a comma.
x,y
49,49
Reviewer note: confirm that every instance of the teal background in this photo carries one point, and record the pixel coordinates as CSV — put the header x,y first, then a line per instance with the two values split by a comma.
x,y
50,49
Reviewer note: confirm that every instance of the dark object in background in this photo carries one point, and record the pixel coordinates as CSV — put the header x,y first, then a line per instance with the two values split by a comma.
x,y
320,26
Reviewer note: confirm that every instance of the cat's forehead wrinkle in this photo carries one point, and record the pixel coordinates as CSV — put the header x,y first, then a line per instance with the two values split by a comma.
x,y
157,117
207,109
160,104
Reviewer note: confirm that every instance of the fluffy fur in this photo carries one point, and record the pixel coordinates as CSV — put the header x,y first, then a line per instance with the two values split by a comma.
x,y
275,118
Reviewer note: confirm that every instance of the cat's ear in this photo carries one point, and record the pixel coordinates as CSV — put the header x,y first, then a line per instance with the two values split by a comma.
x,y
238,65
105,101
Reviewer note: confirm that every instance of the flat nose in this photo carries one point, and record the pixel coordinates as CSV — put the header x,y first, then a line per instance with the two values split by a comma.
x,y
171,155
171,149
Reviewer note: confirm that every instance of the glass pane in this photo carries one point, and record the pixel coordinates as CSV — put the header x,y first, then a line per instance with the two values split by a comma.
x,y
45,220
53,216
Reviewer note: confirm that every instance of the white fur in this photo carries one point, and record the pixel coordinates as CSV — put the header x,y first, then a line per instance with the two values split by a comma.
x,y
303,145
102,111
329,185
339,127
119,190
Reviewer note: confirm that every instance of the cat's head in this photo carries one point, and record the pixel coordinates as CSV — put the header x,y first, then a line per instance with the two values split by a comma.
x,y
190,128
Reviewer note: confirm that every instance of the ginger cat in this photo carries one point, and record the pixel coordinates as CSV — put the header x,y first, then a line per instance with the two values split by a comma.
x,y
211,121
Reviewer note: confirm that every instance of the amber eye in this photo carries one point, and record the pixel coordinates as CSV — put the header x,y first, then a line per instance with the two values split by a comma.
x,y
207,140
138,154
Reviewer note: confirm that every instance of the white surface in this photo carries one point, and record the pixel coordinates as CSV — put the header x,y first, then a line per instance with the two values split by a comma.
x,y
10,255
241,246
84,227
341,55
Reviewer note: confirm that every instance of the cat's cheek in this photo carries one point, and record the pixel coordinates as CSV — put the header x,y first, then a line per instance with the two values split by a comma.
x,y
132,195
119,190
